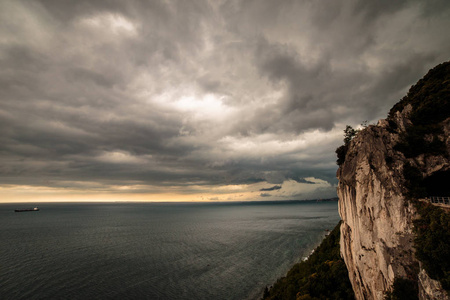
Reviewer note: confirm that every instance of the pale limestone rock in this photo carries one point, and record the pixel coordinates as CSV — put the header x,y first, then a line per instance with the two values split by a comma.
x,y
376,233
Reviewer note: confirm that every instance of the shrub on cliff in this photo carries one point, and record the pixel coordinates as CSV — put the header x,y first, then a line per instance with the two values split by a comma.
x,y
403,289
341,152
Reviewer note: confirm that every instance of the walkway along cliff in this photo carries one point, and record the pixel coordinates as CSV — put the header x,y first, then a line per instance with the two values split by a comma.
x,y
384,173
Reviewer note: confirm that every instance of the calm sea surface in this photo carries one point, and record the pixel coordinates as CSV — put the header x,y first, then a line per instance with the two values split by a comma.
x,y
154,251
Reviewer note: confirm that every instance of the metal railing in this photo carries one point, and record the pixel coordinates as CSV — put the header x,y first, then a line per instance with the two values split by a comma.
x,y
440,200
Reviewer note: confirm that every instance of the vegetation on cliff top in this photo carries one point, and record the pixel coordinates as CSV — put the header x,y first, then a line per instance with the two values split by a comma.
x,y
341,152
323,275
430,101
429,97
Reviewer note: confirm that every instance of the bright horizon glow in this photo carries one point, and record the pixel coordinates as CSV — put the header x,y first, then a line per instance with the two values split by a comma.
x,y
251,192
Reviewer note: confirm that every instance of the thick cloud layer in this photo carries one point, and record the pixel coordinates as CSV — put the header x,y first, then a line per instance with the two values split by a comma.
x,y
214,99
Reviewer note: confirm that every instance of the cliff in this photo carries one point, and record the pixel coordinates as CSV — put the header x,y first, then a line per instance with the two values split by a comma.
x,y
378,196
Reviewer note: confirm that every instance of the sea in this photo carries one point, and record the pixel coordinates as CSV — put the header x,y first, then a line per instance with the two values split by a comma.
x,y
155,250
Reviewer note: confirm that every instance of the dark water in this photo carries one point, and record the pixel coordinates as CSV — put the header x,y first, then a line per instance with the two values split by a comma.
x,y
154,251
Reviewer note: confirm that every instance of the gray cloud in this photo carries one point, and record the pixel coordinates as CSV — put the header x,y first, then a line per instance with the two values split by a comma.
x,y
200,93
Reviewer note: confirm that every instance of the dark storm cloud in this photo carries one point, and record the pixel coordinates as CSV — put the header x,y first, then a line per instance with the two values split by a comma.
x,y
302,107
274,188
182,93
302,180
314,87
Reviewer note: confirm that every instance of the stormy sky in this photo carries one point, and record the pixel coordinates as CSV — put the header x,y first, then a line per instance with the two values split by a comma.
x,y
199,100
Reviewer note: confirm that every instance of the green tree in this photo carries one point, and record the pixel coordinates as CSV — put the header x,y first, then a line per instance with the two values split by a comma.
x,y
349,134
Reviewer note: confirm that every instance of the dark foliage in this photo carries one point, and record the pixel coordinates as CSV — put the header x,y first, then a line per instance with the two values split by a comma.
x,y
323,276
432,242
341,152
430,100
429,97
413,141
413,181
349,134
403,289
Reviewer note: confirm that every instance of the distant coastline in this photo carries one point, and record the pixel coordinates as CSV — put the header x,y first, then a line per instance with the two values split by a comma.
x,y
271,202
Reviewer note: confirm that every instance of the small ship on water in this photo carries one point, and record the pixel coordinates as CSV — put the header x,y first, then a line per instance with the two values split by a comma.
x,y
27,209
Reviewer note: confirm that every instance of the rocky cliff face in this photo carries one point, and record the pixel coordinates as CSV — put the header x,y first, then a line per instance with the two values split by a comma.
x,y
377,229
